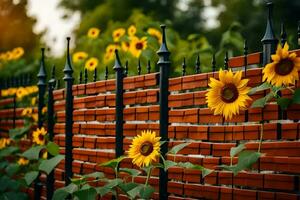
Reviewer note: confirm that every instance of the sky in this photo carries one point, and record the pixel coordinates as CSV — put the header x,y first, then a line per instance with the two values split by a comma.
x,y
49,17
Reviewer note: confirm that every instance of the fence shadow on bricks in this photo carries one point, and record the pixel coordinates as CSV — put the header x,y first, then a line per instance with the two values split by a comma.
x,y
102,127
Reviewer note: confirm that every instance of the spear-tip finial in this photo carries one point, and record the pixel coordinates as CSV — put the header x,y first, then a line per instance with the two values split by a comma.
x,y
42,71
68,65
213,63
183,67
197,64
139,68
163,48
269,33
118,64
226,61
283,34
148,67
126,68
106,73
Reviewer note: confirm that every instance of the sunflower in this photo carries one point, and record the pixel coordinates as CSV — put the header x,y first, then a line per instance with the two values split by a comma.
x,y
4,93
21,92
118,33
11,91
23,161
93,32
26,112
79,56
155,33
39,136
109,53
4,142
33,101
284,68
137,46
145,148
228,95
8,56
125,46
35,117
131,30
44,110
17,52
91,64
45,155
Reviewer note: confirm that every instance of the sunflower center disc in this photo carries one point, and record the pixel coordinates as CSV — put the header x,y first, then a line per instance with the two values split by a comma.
x,y
229,93
41,137
139,45
146,148
284,67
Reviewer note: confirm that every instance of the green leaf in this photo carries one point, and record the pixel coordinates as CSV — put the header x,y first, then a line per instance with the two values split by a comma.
x,y
103,190
227,167
178,147
246,159
60,194
236,150
33,153
132,172
48,165
12,169
30,177
109,187
96,175
14,195
134,192
162,143
284,103
260,103
113,163
52,148
17,133
71,188
8,183
86,194
114,182
146,191
125,187
262,87
190,165
168,164
78,181
296,97
8,151
63,193
3,164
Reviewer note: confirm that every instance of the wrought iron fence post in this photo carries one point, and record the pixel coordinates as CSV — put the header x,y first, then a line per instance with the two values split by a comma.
x,y
119,105
41,95
269,41
50,123
69,115
14,111
164,65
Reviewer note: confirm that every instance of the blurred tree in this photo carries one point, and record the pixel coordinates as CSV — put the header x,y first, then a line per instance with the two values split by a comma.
x,y
98,13
16,27
252,15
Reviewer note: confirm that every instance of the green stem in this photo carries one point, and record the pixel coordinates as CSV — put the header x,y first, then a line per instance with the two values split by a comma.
x,y
116,175
261,136
148,176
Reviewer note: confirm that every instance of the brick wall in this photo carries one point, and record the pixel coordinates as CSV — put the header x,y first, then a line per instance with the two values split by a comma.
x,y
274,176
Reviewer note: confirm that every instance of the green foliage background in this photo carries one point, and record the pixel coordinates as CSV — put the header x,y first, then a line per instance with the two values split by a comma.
x,y
187,32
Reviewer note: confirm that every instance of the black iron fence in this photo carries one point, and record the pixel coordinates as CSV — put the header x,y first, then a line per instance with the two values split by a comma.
x,y
269,44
